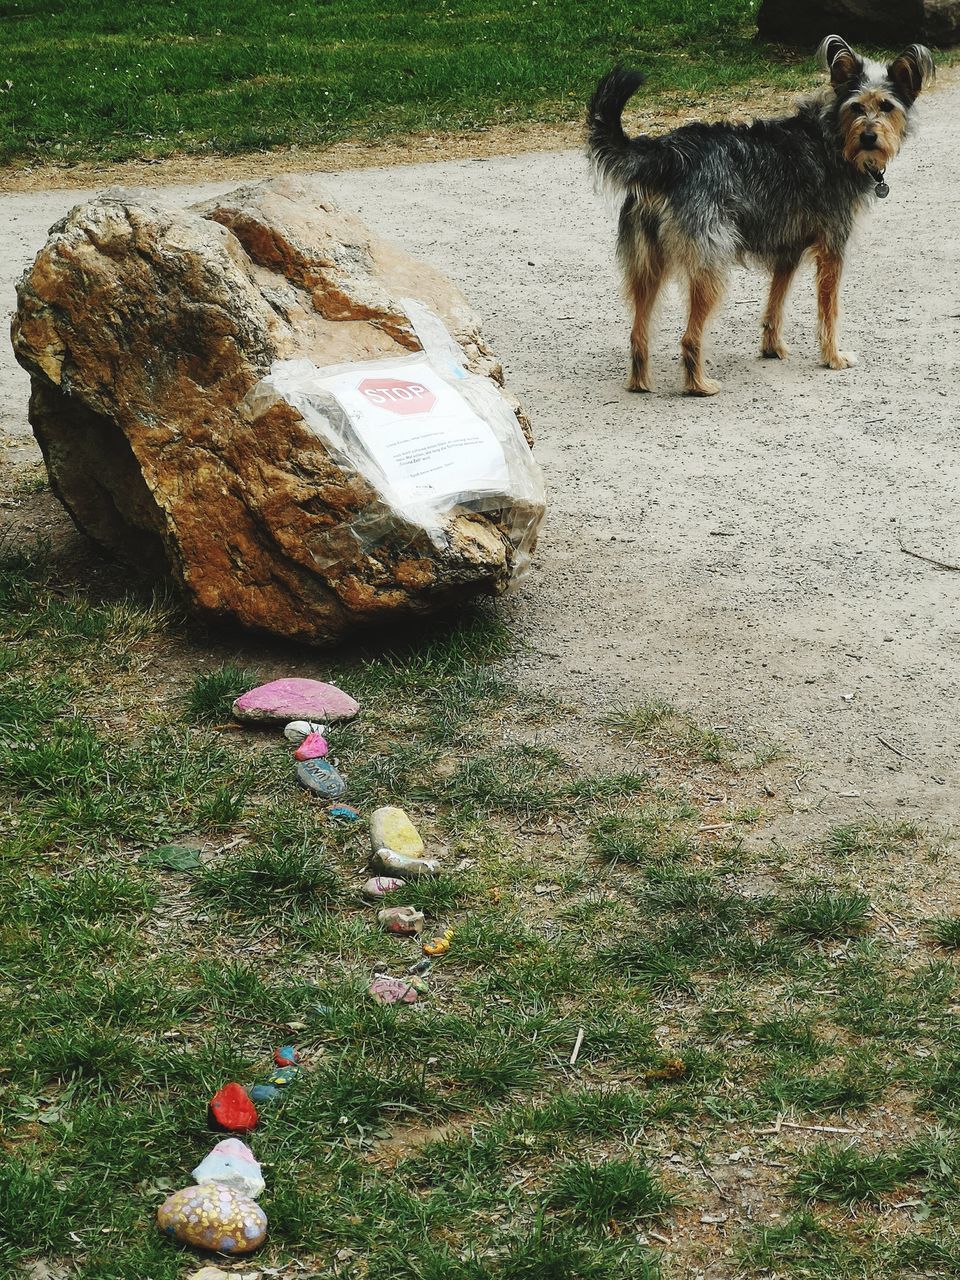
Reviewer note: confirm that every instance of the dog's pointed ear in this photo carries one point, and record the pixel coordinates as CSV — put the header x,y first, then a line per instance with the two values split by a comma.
x,y
910,71
843,63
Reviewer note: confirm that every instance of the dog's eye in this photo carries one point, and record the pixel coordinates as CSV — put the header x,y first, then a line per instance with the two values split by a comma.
x,y
886,106
856,109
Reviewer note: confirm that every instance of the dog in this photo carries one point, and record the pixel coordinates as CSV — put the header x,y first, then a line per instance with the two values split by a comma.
x,y
707,196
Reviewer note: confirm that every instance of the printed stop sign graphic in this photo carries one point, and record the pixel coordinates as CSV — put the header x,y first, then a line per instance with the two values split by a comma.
x,y
398,395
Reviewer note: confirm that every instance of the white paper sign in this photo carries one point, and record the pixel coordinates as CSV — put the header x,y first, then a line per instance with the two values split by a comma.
x,y
428,441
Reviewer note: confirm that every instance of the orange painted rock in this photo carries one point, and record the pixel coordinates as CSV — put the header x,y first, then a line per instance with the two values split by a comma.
x,y
231,1109
213,1216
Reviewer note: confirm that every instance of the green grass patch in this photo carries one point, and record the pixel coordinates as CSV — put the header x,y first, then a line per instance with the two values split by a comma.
x,y
144,78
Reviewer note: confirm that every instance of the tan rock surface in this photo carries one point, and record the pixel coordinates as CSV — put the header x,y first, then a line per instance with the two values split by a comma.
x,y
143,330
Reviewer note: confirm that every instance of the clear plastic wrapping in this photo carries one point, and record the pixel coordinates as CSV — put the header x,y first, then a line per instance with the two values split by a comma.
x,y
431,439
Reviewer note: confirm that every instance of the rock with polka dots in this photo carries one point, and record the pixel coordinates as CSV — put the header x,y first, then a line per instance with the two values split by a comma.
x,y
215,1217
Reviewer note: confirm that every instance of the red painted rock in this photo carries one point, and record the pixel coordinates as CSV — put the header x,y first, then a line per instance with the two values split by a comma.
x,y
231,1109
294,698
312,747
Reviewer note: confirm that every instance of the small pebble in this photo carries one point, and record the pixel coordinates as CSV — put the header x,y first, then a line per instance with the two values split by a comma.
x,y
297,730
232,1164
398,864
380,886
390,828
405,920
214,1217
388,990
281,701
313,747
231,1109
320,777
421,966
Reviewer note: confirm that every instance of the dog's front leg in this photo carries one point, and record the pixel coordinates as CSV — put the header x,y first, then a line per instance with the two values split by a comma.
x,y
829,270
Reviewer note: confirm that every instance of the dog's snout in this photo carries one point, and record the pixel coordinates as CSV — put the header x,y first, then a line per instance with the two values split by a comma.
x,y
868,139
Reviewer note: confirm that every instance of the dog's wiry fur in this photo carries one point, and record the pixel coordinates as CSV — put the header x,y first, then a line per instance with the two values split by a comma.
x,y
707,196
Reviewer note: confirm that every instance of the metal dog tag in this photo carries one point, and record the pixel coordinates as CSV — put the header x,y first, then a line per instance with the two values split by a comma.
x,y
882,190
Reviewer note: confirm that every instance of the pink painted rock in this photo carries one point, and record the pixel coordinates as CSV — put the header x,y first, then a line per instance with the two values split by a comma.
x,y
379,886
388,990
293,698
312,747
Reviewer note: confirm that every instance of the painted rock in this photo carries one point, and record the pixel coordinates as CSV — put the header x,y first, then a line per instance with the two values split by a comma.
x,y
231,1109
320,777
388,990
312,747
343,811
233,1165
286,1055
282,1076
213,1217
439,946
380,886
297,730
390,828
398,864
281,701
262,1093
401,920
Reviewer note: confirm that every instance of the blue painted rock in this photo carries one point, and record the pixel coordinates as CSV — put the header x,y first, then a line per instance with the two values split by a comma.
x,y
233,1165
286,1055
320,777
343,811
281,701
214,1217
261,1093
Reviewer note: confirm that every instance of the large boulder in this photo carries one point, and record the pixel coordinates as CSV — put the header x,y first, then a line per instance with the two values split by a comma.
x,y
890,22
146,329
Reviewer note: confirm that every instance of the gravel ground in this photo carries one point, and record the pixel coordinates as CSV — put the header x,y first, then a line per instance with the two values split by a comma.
x,y
742,556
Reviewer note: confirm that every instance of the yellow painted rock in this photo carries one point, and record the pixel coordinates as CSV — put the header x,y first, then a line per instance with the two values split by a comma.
x,y
213,1216
390,828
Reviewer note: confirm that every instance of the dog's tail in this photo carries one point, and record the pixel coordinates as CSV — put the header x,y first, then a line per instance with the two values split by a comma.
x,y
622,161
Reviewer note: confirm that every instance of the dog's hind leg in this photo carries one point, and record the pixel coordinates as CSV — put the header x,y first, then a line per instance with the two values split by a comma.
x,y
772,346
829,270
643,283
706,290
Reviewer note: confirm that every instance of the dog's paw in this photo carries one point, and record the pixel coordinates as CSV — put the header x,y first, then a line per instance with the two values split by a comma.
x,y
638,384
774,351
705,387
842,360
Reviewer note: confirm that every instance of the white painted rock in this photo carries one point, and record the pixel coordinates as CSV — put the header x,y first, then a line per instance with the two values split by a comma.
x,y
380,886
297,730
233,1165
398,864
213,1217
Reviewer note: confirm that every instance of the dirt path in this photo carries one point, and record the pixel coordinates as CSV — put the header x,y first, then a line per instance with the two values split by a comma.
x,y
739,556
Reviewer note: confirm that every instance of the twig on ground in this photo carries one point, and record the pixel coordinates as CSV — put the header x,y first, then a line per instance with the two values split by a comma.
x,y
918,555
576,1047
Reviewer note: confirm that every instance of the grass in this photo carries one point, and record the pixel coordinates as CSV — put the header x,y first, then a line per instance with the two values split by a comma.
x,y
620,907
143,78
